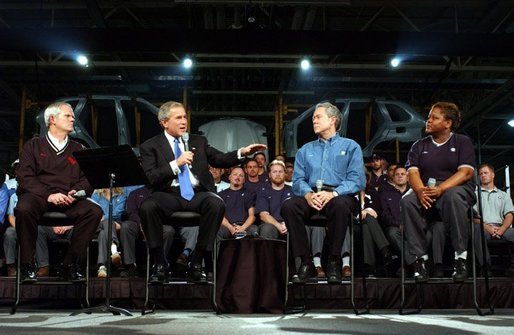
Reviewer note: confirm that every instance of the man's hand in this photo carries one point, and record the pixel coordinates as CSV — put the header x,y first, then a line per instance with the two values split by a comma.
x,y
318,200
425,200
60,199
493,231
233,229
281,227
369,211
185,158
252,148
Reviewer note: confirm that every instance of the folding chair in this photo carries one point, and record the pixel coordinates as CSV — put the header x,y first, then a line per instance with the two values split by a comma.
x,y
178,219
53,219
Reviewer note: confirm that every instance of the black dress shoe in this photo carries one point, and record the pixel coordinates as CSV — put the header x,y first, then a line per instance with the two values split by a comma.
x,y
460,273
420,271
196,274
159,274
73,272
334,269
306,271
28,273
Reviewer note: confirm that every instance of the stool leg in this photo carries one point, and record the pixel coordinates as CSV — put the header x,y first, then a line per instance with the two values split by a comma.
x,y
17,283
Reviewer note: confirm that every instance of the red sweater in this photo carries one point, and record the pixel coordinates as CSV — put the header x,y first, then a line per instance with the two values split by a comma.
x,y
43,171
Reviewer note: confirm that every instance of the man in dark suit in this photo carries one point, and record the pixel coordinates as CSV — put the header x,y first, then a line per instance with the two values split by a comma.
x,y
179,176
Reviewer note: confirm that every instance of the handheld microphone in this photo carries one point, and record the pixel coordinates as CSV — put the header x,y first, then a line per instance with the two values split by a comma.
x,y
319,185
80,194
431,182
185,139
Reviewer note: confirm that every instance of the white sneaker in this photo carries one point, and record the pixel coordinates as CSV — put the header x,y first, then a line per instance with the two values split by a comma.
x,y
102,272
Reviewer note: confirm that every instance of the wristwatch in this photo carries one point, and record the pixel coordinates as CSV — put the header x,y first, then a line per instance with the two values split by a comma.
x,y
335,194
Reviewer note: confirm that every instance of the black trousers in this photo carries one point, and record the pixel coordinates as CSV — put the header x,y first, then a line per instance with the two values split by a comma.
x,y
85,215
296,211
452,207
157,208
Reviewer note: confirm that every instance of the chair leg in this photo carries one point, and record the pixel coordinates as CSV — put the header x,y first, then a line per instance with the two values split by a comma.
x,y
286,281
419,290
17,283
352,277
214,274
486,277
145,309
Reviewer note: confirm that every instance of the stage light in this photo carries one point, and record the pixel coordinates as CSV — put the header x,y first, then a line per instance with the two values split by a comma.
x,y
305,64
187,63
82,60
395,62
511,123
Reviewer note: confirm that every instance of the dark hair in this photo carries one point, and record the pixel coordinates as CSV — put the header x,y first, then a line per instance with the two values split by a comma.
x,y
450,111
487,165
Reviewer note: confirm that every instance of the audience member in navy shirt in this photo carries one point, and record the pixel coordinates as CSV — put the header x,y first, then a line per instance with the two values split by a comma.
x,y
253,182
269,202
239,207
449,158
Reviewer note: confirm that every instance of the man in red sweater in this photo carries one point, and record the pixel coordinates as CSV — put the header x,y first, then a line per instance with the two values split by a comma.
x,y
48,178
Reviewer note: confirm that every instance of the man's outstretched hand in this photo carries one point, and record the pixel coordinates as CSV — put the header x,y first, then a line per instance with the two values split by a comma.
x,y
253,148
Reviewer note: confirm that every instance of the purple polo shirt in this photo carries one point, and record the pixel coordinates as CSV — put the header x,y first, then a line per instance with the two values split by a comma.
x,y
271,200
237,204
441,161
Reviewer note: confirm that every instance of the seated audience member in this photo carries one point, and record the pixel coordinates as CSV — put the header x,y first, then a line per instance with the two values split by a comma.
x,y
45,235
372,235
12,183
280,158
270,200
102,198
497,212
253,182
448,158
239,207
10,239
289,173
269,204
218,182
388,181
131,228
260,158
336,162
389,198
377,175
48,178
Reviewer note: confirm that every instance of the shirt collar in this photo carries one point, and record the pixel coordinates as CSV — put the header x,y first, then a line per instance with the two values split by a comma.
x,y
170,138
330,140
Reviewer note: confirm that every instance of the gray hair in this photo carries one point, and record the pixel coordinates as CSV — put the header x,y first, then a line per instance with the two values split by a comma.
x,y
331,110
54,110
164,110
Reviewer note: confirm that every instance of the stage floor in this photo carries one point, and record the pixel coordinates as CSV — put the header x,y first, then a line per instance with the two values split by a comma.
x,y
381,322
381,293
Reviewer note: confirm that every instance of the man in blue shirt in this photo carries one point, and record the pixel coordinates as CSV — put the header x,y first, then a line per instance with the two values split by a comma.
x,y
328,173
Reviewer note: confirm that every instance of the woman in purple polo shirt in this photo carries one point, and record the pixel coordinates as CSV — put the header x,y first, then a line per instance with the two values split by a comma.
x,y
449,158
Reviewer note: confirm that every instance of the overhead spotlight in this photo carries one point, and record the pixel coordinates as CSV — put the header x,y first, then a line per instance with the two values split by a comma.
x,y
511,123
305,64
83,60
187,63
395,62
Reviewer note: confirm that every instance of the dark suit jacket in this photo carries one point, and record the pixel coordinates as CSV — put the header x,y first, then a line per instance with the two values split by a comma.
x,y
156,155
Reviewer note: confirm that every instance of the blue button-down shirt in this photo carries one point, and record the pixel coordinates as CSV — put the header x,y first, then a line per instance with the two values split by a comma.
x,y
338,162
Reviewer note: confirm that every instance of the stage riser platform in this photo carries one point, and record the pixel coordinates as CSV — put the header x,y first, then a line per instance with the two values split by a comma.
x,y
383,293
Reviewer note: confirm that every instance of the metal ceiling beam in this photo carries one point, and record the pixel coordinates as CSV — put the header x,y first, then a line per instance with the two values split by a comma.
x,y
262,65
265,41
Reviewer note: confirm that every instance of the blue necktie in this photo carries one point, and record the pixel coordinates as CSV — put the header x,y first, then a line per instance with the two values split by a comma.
x,y
186,188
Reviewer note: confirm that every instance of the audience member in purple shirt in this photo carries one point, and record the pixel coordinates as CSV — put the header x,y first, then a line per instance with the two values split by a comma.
x,y
450,159
240,205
